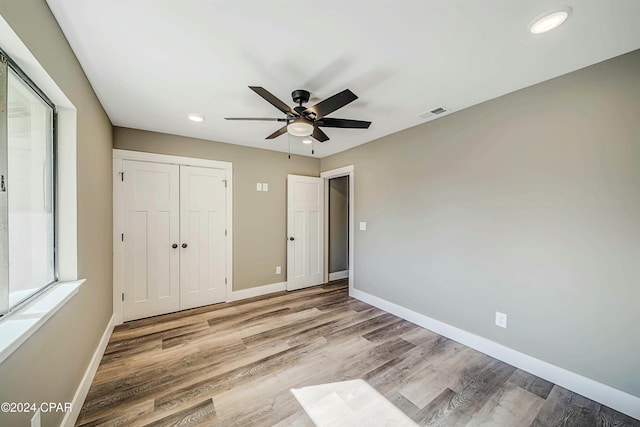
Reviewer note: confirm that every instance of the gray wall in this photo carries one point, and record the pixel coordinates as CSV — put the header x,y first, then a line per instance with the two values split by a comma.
x,y
528,204
50,365
338,224
259,218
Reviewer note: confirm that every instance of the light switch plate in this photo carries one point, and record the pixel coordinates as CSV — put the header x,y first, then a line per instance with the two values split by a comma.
x,y
363,225
501,319
265,186
259,186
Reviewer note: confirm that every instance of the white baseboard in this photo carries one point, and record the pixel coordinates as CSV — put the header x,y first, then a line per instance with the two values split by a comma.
x,y
339,275
602,393
257,291
71,417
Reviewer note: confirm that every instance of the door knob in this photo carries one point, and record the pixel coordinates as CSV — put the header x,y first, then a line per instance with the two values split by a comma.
x,y
184,245
292,239
175,245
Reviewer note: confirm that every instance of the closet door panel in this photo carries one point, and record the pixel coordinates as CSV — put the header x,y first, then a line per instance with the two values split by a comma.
x,y
203,240
151,226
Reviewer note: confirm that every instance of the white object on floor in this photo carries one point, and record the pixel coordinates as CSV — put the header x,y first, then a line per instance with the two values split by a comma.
x,y
349,403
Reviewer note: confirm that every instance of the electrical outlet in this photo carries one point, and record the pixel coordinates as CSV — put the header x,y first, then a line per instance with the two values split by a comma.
x,y
278,270
259,186
35,420
265,186
501,319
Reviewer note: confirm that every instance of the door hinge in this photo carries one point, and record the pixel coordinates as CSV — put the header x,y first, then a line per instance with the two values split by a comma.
x,y
225,231
123,296
3,186
225,183
121,176
122,237
225,280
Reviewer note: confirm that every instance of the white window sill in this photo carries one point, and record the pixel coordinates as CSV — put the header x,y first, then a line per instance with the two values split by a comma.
x,y
17,327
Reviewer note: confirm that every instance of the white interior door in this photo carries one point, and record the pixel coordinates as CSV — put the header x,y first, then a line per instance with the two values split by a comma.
x,y
305,247
202,233
151,228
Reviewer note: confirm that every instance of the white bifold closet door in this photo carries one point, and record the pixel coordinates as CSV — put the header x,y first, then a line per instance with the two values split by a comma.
x,y
151,220
174,238
202,229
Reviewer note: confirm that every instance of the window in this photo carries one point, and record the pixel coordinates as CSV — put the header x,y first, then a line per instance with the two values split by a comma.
x,y
27,182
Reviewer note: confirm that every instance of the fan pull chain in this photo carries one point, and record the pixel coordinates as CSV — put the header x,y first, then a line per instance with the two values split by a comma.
x,y
313,144
289,137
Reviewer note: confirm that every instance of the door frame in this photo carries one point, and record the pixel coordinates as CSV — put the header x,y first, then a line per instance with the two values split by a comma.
x,y
327,175
118,205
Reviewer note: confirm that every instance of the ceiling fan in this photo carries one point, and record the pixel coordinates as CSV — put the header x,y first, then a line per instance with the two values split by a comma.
x,y
303,121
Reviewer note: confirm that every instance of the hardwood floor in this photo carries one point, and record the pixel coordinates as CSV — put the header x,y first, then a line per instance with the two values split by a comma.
x,y
234,364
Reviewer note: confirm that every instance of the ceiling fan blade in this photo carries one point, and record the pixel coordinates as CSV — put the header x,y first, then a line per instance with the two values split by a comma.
x,y
319,135
343,123
331,104
273,100
265,119
277,133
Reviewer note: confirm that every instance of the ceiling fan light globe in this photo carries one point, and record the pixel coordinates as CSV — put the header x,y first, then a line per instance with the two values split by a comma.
x,y
300,127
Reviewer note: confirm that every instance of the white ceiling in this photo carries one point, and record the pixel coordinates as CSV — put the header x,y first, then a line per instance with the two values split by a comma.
x,y
151,62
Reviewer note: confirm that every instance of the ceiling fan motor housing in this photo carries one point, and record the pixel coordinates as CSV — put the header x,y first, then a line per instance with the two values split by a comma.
x,y
299,109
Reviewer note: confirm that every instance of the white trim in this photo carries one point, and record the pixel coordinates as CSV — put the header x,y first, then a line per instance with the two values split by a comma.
x,y
257,291
118,252
336,173
71,417
66,196
174,160
118,157
602,393
339,275
16,327
229,200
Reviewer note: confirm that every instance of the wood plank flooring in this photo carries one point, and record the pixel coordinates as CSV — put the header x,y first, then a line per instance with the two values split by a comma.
x,y
234,364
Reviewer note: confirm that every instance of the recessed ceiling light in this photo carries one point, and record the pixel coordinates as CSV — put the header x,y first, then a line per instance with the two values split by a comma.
x,y
549,20
306,141
196,117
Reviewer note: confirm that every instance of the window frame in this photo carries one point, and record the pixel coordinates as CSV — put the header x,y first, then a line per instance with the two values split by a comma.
x,y
6,64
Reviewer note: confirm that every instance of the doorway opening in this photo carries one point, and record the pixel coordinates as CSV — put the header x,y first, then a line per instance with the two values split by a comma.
x,y
338,202
348,172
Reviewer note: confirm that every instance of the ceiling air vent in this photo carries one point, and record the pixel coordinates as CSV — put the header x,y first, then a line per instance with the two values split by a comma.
x,y
434,112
